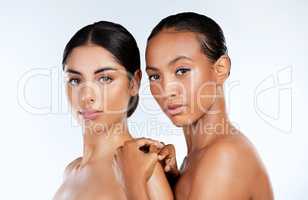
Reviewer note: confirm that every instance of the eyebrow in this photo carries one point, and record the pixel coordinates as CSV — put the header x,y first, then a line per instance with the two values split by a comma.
x,y
72,71
170,62
150,68
179,58
96,71
105,69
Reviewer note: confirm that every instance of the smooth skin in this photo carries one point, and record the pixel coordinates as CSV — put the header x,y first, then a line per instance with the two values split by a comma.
x,y
96,81
221,164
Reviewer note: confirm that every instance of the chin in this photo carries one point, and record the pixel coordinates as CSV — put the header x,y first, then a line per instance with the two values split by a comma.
x,y
181,120
186,118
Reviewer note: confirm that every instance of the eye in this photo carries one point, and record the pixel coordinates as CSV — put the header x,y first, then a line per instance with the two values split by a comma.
x,y
181,70
105,79
74,81
153,77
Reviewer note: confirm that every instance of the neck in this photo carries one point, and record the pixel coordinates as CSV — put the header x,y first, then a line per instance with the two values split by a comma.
x,y
212,125
102,142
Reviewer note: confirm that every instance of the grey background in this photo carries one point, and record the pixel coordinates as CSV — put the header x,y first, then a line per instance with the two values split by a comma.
x,y
266,92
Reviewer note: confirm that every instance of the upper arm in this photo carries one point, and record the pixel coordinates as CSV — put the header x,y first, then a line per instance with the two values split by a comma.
x,y
158,186
220,175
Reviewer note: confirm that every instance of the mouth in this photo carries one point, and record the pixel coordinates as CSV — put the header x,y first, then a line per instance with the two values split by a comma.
x,y
90,114
174,109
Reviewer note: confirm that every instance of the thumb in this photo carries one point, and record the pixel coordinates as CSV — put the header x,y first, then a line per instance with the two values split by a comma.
x,y
164,153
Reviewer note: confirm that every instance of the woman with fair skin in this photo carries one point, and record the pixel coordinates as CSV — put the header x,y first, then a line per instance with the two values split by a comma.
x,y
102,71
187,65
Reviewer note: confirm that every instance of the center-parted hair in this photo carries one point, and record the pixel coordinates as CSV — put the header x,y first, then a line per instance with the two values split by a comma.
x,y
115,39
210,35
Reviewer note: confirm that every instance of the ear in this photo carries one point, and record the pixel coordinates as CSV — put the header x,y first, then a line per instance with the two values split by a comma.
x,y
222,69
135,83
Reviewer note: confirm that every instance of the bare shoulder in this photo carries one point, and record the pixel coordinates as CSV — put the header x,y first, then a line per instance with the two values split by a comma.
x,y
235,150
230,160
72,165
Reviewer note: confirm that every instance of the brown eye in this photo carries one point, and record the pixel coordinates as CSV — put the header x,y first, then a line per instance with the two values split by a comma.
x,y
153,77
181,70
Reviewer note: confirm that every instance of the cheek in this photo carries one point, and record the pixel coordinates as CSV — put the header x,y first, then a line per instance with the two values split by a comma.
x,y
116,97
72,96
157,93
204,95
200,92
73,100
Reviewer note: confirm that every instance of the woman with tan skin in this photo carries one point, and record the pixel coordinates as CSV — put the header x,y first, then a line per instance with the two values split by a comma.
x,y
187,65
102,70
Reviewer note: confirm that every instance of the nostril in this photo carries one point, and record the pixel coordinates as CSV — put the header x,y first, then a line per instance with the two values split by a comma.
x,y
91,100
87,100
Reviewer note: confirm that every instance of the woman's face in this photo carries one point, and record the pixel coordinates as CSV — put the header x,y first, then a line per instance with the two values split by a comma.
x,y
97,86
182,79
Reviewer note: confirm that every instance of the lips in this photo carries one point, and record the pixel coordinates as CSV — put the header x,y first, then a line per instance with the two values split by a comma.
x,y
90,114
174,109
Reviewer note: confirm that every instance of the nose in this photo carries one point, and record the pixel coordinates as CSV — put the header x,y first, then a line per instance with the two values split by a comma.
x,y
87,96
171,88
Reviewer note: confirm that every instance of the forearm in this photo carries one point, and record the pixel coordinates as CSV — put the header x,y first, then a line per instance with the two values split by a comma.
x,y
158,186
137,191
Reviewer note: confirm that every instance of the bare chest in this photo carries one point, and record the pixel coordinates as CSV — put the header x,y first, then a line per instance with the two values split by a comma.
x,y
90,184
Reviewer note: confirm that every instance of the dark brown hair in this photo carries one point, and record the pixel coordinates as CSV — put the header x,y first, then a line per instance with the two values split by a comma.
x,y
115,39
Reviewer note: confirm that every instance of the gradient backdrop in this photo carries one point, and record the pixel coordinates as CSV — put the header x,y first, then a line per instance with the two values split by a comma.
x,y
266,92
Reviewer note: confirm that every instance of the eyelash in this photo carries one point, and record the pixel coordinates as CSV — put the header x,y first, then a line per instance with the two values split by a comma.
x,y
109,79
183,70
153,75
72,82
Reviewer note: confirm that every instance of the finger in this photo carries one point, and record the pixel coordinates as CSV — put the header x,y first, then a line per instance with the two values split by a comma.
x,y
154,149
145,141
171,162
170,147
162,156
152,141
149,149
167,168
166,152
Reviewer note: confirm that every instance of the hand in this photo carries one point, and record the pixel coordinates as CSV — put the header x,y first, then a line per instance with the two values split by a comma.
x,y
167,158
132,165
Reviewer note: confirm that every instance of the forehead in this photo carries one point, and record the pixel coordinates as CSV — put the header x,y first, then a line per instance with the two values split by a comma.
x,y
169,44
90,58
